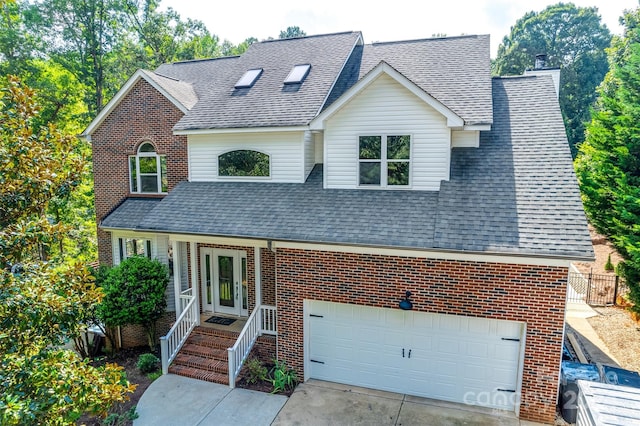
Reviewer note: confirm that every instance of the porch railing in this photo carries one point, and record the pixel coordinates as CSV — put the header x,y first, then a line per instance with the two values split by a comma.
x,y
175,338
185,298
261,321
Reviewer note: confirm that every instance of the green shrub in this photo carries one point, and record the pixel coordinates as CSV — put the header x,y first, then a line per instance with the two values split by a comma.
x,y
134,293
282,377
120,419
608,266
256,371
148,363
153,376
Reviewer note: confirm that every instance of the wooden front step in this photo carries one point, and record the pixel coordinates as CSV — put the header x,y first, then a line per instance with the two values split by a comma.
x,y
204,355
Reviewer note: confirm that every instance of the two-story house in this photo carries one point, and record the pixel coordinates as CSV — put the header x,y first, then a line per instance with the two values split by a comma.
x,y
389,213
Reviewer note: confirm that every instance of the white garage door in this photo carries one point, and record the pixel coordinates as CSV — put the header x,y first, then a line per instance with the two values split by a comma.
x,y
447,357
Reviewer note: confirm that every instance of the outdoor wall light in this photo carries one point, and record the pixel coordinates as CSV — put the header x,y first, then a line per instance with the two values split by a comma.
x,y
405,304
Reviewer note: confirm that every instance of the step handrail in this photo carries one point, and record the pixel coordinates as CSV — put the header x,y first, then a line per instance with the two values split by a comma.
x,y
261,321
171,343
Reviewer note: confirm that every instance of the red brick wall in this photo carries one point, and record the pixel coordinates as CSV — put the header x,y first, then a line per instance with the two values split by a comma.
x,y
143,114
268,276
135,335
533,294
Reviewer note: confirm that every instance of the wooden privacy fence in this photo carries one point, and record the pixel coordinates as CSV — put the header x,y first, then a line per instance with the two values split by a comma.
x,y
595,289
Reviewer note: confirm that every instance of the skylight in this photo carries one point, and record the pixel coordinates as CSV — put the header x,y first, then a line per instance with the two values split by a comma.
x,y
249,78
297,74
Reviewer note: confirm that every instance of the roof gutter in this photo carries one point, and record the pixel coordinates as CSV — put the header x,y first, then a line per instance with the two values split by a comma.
x,y
403,251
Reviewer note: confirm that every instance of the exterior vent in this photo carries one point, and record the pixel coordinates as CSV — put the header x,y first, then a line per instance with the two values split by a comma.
x,y
249,78
297,74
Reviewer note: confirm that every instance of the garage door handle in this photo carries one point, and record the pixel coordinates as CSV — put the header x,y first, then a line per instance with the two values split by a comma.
x,y
511,339
316,316
317,362
409,353
402,352
506,390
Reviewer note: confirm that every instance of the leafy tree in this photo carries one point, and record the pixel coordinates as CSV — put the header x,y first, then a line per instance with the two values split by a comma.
x,y
164,37
135,294
42,304
292,32
574,39
608,163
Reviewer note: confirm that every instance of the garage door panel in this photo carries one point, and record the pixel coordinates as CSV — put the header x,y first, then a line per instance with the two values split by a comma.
x,y
452,357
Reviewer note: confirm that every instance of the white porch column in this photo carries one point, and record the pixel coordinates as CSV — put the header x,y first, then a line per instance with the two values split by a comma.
x,y
193,249
177,275
257,262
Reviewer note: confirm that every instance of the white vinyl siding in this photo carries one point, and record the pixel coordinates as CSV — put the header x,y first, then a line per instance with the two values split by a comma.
x,y
309,153
285,149
159,245
465,139
386,107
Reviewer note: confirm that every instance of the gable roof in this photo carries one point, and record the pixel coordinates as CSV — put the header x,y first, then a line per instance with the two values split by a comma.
x,y
454,70
453,120
180,93
271,103
516,194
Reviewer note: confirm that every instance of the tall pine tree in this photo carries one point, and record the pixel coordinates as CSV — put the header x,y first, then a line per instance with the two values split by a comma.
x,y
608,163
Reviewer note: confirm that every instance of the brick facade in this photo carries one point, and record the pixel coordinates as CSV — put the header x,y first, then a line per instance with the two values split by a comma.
x,y
134,335
143,114
268,276
531,294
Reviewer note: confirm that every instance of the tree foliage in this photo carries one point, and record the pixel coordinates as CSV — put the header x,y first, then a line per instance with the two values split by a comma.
x,y
608,163
574,39
292,32
42,304
134,293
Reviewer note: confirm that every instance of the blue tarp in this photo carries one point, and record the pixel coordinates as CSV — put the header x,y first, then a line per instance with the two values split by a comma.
x,y
572,371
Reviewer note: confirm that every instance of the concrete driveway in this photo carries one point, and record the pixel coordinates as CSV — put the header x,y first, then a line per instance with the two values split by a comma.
x,y
180,401
324,403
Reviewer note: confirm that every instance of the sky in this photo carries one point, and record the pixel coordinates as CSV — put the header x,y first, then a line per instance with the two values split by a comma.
x,y
379,21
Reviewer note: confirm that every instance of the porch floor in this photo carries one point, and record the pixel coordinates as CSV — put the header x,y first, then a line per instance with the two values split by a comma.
x,y
237,325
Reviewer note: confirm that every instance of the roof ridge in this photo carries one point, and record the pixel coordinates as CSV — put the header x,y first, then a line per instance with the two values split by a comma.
x,y
308,36
164,76
417,40
188,61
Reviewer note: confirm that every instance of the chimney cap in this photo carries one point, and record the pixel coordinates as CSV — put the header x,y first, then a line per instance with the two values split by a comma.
x,y
541,61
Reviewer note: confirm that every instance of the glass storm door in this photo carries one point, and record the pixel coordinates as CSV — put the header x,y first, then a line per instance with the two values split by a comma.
x,y
224,281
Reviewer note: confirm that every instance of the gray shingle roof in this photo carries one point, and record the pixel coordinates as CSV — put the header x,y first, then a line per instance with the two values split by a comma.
x,y
454,70
130,213
517,193
181,91
269,102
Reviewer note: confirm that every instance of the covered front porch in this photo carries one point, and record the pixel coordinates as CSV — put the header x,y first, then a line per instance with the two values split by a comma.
x,y
231,283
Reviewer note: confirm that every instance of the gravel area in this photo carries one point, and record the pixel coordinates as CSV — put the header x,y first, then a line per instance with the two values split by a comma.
x,y
613,324
621,335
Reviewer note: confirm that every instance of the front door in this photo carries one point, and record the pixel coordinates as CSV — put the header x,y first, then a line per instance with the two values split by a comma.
x,y
224,281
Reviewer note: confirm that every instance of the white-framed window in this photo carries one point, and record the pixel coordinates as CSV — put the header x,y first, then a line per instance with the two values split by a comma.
x,y
384,160
129,247
244,163
148,171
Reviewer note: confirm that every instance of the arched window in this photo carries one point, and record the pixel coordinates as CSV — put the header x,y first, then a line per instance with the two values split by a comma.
x,y
148,170
243,162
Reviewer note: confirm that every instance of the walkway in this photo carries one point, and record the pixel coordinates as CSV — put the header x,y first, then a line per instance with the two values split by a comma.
x,y
179,401
576,318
